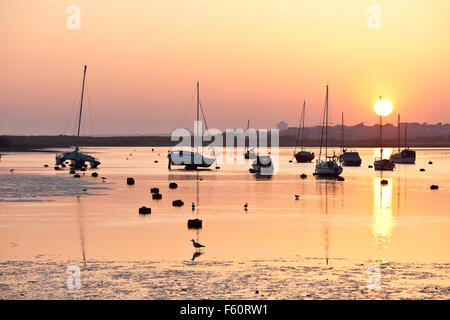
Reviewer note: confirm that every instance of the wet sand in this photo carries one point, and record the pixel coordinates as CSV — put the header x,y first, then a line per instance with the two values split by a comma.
x,y
302,278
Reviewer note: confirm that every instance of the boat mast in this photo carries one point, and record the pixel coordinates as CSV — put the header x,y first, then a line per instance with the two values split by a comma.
x,y
398,135
326,126
81,110
406,126
342,133
381,136
302,114
248,127
198,106
303,125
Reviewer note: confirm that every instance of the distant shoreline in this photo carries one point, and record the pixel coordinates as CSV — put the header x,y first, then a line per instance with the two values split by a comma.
x,y
38,143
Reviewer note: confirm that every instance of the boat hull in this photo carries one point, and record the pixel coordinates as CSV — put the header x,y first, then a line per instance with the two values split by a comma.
x,y
384,165
190,160
328,169
304,156
404,157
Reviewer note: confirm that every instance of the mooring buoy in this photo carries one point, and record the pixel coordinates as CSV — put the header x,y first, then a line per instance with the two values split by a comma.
x,y
145,210
130,181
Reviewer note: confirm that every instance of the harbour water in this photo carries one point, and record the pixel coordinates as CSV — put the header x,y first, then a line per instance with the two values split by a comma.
x,y
319,246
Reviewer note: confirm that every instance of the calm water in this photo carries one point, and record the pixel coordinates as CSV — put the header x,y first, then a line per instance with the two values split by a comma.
x,y
357,219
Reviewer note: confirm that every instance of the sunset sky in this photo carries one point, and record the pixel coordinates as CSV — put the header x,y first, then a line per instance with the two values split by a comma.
x,y
256,59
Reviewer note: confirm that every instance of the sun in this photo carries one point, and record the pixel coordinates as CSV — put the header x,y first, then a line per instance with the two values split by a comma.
x,y
383,107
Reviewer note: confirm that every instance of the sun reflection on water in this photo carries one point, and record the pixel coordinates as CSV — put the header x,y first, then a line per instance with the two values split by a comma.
x,y
383,222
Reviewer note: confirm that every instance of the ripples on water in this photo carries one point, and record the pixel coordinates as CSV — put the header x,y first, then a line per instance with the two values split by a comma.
x,y
22,187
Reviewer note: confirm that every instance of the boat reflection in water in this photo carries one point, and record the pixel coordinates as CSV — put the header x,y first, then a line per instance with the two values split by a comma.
x,y
383,221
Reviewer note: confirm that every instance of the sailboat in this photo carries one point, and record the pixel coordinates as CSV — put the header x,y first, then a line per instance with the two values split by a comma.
x,y
191,160
348,158
249,154
302,155
328,167
78,159
406,156
383,164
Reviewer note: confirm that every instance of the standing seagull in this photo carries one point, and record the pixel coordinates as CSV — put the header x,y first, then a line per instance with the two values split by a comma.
x,y
197,245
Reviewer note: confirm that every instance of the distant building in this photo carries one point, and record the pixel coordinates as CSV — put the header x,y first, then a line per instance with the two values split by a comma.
x,y
282,125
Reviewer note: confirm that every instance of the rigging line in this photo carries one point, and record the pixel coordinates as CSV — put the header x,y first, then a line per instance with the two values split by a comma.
x,y
298,133
88,104
188,108
73,107
206,125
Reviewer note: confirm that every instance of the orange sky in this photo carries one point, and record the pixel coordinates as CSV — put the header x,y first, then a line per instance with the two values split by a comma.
x,y
254,59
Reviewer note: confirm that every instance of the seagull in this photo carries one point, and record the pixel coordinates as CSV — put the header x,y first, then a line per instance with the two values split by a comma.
x,y
196,244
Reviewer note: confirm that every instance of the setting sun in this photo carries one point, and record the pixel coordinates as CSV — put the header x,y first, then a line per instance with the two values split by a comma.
x,y
383,107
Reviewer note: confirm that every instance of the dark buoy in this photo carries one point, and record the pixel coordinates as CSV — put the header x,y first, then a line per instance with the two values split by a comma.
x,y
384,181
303,176
434,187
173,185
130,181
72,171
94,174
430,162
297,197
156,161
290,161
154,190
45,165
76,175
145,210
177,203
340,179
156,196
194,224
370,166
422,169
56,168
217,167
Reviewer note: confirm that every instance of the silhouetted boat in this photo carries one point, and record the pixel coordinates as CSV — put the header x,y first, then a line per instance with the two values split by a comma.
x,y
382,164
190,160
78,159
406,156
328,167
348,158
302,155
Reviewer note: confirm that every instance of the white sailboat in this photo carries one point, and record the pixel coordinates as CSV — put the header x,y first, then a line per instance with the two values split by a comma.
x,y
328,167
78,159
406,156
191,160
302,155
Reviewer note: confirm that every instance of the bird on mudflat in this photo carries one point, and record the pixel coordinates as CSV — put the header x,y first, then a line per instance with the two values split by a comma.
x,y
11,170
196,244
